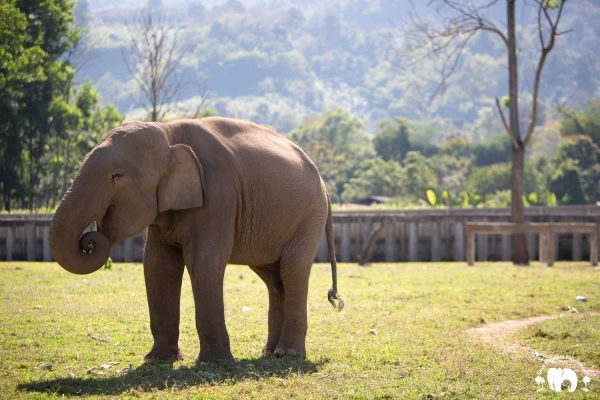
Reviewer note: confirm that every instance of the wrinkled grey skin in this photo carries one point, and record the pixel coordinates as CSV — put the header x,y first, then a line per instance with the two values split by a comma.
x,y
211,192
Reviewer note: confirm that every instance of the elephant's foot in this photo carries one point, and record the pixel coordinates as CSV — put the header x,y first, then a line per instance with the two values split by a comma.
x,y
289,352
215,355
164,355
289,345
268,351
271,345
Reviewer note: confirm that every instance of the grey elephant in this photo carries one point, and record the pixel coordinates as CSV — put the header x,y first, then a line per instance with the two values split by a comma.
x,y
211,191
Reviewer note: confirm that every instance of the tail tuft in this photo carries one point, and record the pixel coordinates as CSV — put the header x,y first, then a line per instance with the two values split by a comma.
x,y
336,300
333,296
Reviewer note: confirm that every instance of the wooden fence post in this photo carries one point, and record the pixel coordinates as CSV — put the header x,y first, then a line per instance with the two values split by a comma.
x,y
345,242
483,247
435,241
459,241
412,242
594,247
390,241
506,247
10,242
46,239
576,247
30,240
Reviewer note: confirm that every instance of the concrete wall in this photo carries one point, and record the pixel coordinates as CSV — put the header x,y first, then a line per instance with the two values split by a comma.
x,y
412,235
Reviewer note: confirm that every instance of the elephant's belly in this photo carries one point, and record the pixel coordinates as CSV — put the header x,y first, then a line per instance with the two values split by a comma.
x,y
259,254
266,246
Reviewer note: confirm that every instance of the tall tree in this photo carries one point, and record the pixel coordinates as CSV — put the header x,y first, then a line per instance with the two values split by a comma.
x,y
20,66
392,141
153,59
49,34
44,118
467,18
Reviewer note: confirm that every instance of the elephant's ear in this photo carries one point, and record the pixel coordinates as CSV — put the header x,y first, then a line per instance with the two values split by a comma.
x,y
182,183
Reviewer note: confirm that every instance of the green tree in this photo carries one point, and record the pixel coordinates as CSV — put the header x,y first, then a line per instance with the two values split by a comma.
x,y
338,143
374,177
576,176
495,149
566,182
489,179
21,65
392,141
77,126
456,146
49,27
43,115
585,123
493,180
419,176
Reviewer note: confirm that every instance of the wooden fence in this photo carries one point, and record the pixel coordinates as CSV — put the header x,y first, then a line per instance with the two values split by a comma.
x,y
411,235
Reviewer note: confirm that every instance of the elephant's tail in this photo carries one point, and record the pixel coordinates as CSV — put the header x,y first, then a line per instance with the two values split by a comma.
x,y
334,298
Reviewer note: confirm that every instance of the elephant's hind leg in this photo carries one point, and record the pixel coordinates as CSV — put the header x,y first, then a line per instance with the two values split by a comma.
x,y
271,277
296,261
163,272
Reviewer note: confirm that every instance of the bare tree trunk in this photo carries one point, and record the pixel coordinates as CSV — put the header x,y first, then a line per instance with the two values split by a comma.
x,y
519,243
520,254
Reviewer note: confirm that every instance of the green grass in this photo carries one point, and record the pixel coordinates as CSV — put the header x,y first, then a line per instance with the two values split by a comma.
x,y
575,336
421,313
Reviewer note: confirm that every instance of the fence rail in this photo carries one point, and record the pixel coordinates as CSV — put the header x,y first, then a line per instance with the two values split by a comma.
x,y
407,235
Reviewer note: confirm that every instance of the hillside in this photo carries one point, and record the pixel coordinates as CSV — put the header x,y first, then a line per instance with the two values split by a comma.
x,y
279,61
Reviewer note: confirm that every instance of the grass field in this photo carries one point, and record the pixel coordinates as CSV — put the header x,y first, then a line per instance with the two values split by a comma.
x,y
63,334
577,336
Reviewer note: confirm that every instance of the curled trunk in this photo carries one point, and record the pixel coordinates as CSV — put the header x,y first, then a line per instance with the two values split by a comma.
x,y
76,253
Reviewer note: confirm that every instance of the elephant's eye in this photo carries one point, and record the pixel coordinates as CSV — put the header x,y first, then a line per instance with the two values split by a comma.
x,y
116,176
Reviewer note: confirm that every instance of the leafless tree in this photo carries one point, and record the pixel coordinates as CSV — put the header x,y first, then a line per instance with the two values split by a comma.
x,y
448,41
201,105
153,59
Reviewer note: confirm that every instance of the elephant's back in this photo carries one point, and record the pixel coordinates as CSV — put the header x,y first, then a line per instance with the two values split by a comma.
x,y
264,152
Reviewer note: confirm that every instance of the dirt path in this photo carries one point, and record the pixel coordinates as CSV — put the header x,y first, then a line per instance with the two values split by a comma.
x,y
501,335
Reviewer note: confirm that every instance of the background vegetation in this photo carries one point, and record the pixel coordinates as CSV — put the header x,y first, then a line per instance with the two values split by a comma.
x,y
331,76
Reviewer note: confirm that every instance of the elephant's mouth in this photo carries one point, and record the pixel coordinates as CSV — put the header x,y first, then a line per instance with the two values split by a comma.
x,y
90,235
103,224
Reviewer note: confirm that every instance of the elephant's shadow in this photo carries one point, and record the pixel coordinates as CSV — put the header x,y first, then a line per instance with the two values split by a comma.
x,y
156,376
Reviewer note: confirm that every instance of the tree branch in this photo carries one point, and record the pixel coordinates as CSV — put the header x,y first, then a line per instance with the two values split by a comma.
x,y
423,39
546,48
505,123
153,60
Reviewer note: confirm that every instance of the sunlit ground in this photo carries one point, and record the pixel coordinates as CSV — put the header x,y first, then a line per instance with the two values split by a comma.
x,y
403,334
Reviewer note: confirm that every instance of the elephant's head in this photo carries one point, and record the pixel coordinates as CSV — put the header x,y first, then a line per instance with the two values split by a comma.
x,y
124,182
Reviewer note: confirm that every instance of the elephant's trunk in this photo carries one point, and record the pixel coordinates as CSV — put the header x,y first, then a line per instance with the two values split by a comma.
x,y
75,253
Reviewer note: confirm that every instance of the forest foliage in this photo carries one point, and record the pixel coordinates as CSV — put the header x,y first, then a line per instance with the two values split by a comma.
x,y
48,123
394,162
332,81
279,62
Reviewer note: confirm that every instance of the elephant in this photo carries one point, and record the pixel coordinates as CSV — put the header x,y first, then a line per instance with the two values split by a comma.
x,y
556,377
210,192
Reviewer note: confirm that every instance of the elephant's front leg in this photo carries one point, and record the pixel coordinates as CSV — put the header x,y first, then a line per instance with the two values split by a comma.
x,y
207,271
163,271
